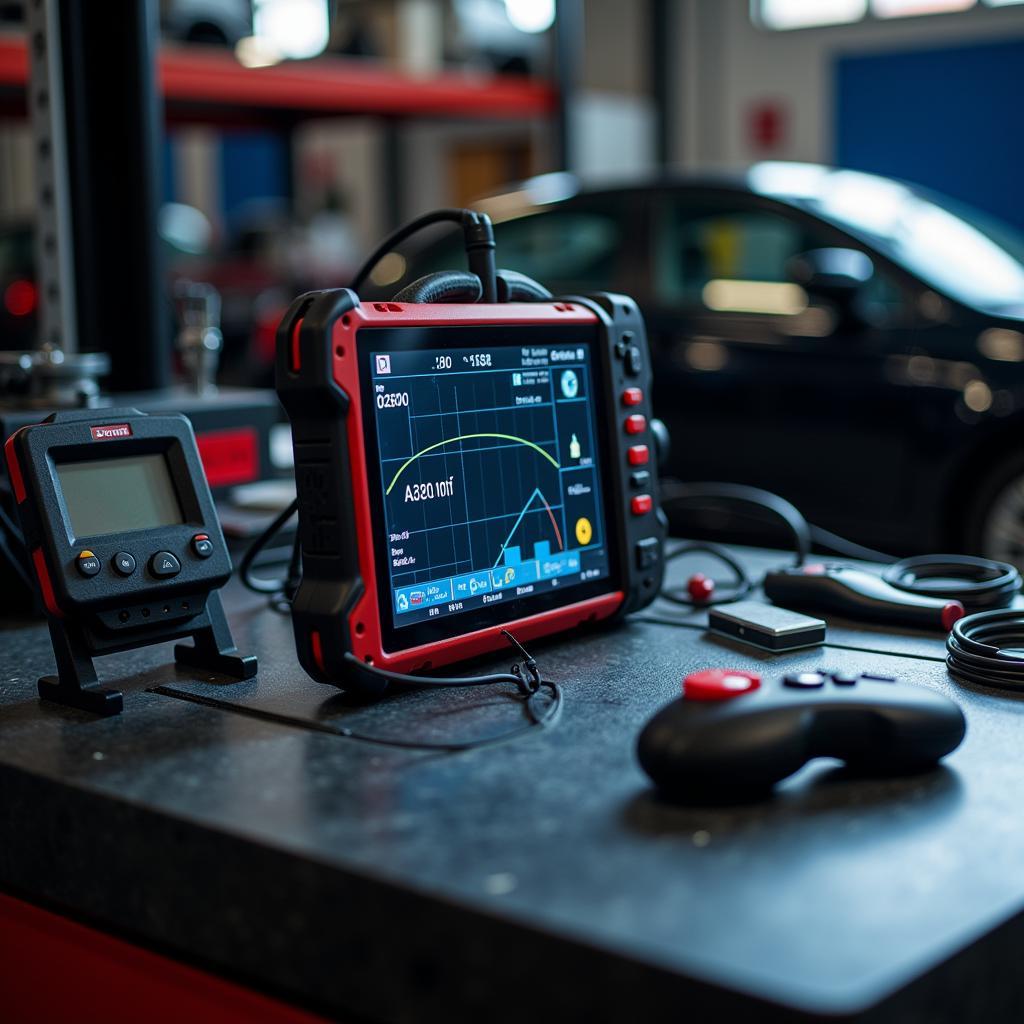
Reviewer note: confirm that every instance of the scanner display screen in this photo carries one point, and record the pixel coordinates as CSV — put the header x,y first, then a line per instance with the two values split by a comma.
x,y
487,469
119,495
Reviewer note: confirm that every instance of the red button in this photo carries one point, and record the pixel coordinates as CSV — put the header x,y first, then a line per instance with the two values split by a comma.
x,y
638,455
641,504
719,684
632,396
636,424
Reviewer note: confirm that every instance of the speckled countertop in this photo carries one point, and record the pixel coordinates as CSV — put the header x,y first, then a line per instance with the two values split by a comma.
x,y
540,878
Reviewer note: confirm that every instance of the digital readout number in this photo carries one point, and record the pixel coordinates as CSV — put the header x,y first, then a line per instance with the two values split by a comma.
x,y
424,492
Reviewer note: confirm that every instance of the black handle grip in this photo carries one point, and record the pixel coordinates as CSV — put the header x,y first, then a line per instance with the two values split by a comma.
x,y
857,594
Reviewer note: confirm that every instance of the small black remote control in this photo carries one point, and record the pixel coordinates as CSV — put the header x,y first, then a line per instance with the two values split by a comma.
x,y
730,735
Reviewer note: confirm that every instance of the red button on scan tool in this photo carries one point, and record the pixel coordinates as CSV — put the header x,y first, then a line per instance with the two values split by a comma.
x,y
719,684
641,504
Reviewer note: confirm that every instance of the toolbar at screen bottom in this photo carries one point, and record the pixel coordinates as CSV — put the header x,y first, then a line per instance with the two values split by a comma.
x,y
514,573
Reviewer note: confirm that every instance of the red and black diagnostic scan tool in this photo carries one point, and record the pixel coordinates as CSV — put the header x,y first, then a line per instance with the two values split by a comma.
x,y
462,469
125,542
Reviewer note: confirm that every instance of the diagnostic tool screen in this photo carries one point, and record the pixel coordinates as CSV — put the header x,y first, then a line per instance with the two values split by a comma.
x,y
488,470
119,495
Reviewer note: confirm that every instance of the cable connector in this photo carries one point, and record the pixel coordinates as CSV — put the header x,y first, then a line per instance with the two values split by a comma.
x,y
527,673
478,238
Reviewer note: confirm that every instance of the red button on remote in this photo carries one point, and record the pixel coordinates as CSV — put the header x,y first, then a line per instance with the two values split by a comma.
x,y
635,424
719,684
638,455
640,504
632,396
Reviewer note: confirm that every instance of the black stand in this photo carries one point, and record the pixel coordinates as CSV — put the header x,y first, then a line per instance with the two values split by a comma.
x,y
77,685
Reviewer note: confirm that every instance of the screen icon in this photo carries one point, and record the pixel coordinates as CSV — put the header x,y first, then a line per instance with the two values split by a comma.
x,y
574,447
383,364
570,384
584,531
403,603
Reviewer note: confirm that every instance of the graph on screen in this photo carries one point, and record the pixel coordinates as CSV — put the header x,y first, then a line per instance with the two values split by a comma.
x,y
489,473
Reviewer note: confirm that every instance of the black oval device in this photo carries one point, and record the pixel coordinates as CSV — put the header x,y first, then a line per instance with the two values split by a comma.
x,y
124,539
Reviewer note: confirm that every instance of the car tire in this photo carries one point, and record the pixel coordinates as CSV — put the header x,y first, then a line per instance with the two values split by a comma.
x,y
995,523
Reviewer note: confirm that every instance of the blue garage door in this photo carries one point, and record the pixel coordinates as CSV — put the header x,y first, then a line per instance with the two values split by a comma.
x,y
951,119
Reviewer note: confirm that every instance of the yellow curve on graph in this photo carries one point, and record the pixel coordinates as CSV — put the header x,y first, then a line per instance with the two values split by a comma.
x,y
465,437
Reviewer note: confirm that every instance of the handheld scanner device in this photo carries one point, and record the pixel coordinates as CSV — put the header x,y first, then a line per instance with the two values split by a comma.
x,y
118,520
856,594
463,469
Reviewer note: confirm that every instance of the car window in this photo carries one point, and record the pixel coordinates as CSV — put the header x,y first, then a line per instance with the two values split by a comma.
x,y
740,260
699,248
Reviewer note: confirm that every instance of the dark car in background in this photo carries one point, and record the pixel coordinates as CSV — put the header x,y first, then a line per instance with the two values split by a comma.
x,y
851,342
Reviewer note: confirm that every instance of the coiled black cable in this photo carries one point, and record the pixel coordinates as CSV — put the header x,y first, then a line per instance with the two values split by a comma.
x,y
987,649
977,583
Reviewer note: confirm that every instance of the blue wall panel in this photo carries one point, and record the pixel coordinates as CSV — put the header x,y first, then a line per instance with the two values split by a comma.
x,y
951,119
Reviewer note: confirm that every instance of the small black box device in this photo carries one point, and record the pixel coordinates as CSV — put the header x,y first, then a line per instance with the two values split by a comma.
x,y
122,534
466,468
766,626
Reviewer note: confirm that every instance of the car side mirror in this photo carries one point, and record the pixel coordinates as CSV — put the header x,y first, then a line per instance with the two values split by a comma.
x,y
835,275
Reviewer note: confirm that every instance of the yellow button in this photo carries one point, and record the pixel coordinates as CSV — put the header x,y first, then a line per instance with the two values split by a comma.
x,y
584,531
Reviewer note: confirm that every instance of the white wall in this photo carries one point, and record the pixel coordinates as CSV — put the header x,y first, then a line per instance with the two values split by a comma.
x,y
725,65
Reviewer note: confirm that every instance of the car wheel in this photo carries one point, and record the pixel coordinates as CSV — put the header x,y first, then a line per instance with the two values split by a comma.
x,y
995,526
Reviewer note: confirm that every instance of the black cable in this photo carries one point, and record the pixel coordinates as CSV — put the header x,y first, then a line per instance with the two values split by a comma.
x,y
977,583
478,237
987,649
546,719
841,546
526,677
443,286
740,587
259,584
711,494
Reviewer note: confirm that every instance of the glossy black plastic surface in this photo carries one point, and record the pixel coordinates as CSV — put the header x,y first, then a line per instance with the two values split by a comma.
x,y
745,745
